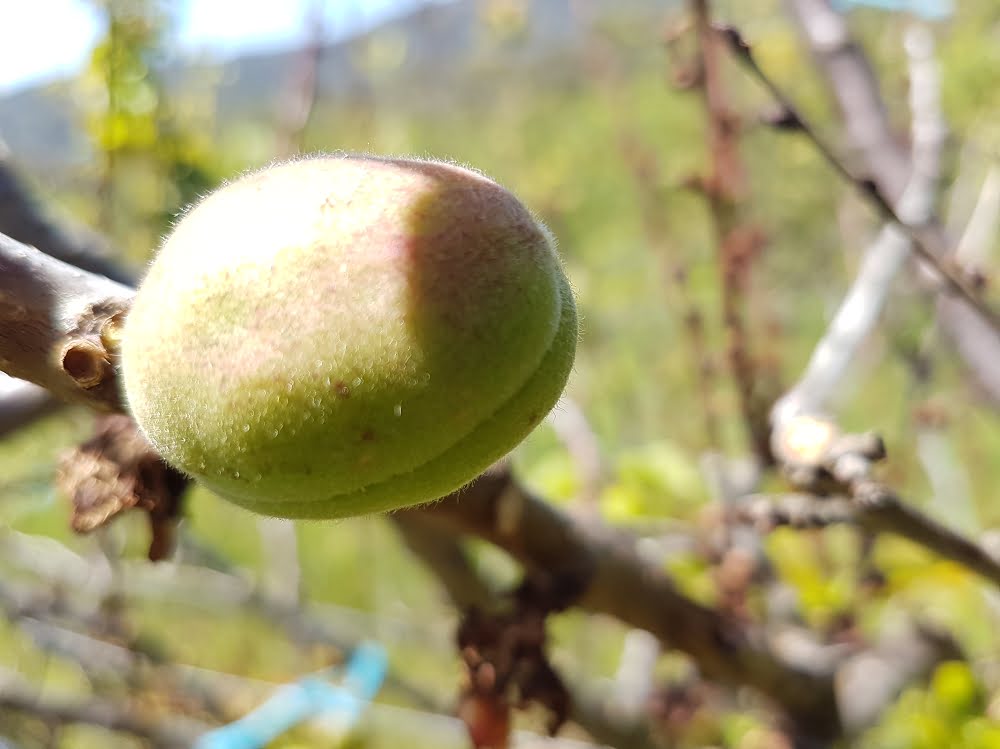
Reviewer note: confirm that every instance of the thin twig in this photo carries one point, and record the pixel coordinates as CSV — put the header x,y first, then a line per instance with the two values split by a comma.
x,y
883,511
215,690
62,569
301,91
16,696
861,307
851,80
927,240
738,240
571,426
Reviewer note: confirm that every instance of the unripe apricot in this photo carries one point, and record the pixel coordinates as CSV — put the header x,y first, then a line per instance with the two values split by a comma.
x,y
343,335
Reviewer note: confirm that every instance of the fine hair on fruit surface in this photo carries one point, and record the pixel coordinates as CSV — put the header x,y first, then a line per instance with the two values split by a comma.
x,y
340,335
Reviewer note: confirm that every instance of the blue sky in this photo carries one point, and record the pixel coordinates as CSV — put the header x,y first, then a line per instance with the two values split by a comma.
x,y
34,47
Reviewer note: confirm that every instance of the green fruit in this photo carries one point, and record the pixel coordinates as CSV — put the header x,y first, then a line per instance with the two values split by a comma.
x,y
344,335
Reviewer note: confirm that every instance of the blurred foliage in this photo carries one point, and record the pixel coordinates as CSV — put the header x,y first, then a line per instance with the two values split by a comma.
x,y
154,163
948,712
604,157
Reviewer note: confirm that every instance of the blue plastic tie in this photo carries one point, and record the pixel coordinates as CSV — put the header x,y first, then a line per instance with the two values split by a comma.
x,y
310,697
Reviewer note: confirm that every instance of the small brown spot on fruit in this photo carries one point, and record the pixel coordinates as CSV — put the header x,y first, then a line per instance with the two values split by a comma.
x,y
429,290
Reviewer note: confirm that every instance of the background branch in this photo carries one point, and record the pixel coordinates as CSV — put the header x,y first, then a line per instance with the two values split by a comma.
x,y
442,553
21,403
862,306
807,446
885,161
23,218
170,733
739,241
620,584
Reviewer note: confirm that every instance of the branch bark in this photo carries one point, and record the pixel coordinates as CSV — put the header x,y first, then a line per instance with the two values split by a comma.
x,y
620,584
56,322
442,553
23,218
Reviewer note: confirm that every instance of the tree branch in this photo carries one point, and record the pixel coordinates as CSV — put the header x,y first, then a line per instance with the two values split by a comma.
x,y
739,241
971,337
928,240
17,696
883,511
23,218
56,322
816,457
855,88
62,569
500,511
863,304
442,553
810,448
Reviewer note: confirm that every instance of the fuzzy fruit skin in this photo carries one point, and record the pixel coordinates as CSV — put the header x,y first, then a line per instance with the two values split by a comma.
x,y
343,335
